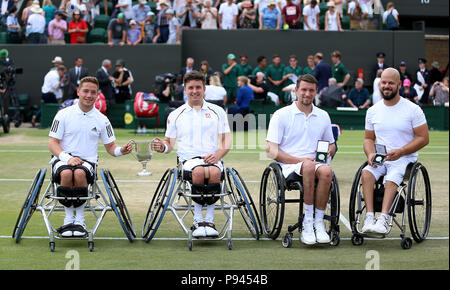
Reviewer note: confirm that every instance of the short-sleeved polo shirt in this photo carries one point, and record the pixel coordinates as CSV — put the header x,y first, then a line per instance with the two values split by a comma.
x,y
298,134
80,132
197,132
339,72
230,79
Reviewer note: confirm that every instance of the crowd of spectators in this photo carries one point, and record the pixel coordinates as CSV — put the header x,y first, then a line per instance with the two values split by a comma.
x,y
128,22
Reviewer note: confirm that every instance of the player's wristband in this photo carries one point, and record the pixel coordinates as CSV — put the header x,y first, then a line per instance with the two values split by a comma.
x,y
117,152
64,156
166,149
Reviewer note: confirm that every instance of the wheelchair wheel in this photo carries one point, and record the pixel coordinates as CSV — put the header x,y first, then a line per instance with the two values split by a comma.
x,y
118,204
332,212
244,201
271,199
159,204
357,207
419,202
29,205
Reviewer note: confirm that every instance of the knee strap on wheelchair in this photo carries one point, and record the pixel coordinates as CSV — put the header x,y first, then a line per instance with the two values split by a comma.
x,y
63,191
203,189
79,192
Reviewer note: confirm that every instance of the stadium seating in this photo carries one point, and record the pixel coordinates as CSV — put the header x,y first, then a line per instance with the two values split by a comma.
x,y
101,21
97,35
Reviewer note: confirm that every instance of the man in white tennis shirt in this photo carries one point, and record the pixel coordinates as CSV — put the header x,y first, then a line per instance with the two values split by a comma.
x,y
401,126
198,127
292,138
74,137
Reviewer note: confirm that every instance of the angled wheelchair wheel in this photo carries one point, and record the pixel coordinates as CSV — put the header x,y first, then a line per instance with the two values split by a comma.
x,y
118,204
244,201
271,200
159,203
332,212
29,205
357,207
419,202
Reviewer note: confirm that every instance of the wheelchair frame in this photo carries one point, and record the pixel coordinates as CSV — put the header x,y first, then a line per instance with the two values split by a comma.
x,y
404,201
174,194
281,186
48,204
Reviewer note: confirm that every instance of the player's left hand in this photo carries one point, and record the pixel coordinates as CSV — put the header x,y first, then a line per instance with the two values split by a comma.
x,y
394,155
126,149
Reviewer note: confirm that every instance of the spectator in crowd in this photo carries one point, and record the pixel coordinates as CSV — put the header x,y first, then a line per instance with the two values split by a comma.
x,y
26,12
366,8
57,61
51,90
259,86
379,65
244,96
339,6
404,74
214,92
122,80
244,69
291,14
5,10
151,30
338,71
322,71
390,17
174,28
247,18
230,72
262,66
162,21
228,13
188,68
270,17
208,16
35,25
56,29
275,76
140,12
206,70
167,89
188,14
359,97
134,35
439,92
261,4
310,65
435,73
49,10
13,26
77,28
105,81
332,18
408,92
423,81
311,16
356,15
333,95
117,30
292,71
74,75
125,7
376,96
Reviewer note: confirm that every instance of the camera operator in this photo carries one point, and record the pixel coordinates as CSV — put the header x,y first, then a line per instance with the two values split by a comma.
x,y
167,88
8,86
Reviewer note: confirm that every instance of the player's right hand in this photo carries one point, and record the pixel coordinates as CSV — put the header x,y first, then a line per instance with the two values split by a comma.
x,y
158,145
370,158
74,161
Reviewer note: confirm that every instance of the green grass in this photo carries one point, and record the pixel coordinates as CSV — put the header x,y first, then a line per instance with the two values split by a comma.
x,y
23,151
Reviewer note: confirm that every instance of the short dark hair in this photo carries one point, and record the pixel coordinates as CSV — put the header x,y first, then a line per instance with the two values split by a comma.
x,y
194,76
89,79
260,58
307,78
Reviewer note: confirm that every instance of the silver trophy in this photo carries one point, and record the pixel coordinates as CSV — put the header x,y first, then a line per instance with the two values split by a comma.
x,y
143,154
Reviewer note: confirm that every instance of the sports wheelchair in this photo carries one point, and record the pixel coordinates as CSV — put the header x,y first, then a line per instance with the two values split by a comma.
x,y
96,202
272,197
412,201
174,193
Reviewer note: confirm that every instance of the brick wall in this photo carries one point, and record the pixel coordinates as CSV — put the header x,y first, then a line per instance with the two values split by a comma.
x,y
436,48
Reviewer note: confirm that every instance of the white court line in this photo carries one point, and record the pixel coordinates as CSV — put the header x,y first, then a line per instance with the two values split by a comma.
x,y
185,239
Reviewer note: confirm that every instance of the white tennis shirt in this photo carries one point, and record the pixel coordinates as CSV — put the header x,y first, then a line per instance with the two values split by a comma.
x,y
298,134
394,125
197,132
80,132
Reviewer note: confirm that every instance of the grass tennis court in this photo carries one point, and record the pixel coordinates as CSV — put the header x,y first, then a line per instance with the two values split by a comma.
x,y
24,150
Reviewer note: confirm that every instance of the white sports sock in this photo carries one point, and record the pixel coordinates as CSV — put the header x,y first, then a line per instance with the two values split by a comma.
x,y
370,213
309,211
198,212
209,217
70,217
80,213
319,214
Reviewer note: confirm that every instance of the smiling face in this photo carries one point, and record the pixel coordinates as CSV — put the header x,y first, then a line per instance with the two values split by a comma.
x,y
306,92
389,84
195,91
87,93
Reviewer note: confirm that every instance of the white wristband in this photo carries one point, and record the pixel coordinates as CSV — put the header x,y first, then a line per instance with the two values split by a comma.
x,y
117,152
64,157
166,148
